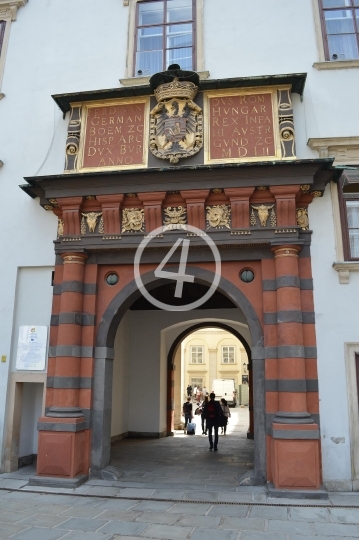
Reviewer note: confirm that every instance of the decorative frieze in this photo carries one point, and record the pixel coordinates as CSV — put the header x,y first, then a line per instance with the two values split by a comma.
x,y
286,123
89,222
174,218
133,220
263,215
218,216
302,218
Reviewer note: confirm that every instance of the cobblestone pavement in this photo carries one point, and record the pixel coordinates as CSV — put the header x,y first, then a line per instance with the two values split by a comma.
x,y
173,489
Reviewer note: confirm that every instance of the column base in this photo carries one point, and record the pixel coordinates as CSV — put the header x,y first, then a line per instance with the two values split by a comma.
x,y
295,456
317,494
52,481
292,418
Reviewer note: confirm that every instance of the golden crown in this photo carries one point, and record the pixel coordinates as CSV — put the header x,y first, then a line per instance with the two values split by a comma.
x,y
176,88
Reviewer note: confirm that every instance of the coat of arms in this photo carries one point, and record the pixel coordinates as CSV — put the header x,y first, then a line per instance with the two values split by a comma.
x,y
176,130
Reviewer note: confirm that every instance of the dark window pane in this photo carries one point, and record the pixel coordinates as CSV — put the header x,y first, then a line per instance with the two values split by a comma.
x,y
149,62
179,35
345,46
339,22
150,39
183,57
336,3
150,13
179,10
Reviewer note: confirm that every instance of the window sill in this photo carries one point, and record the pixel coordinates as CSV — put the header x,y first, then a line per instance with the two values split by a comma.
x,y
138,81
344,269
337,64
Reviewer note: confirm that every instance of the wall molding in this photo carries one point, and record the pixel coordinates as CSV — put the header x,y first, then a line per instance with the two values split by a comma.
x,y
344,269
344,150
8,8
336,64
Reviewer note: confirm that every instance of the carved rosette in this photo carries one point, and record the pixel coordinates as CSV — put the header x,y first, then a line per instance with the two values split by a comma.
x,y
133,220
174,218
218,216
176,122
73,139
302,218
286,123
264,212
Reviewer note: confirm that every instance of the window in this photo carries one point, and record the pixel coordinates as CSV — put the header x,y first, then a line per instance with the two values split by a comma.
x,y
349,197
196,355
196,382
228,355
164,35
340,19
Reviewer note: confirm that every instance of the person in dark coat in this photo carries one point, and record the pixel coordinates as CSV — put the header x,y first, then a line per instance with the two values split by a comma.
x,y
213,413
189,390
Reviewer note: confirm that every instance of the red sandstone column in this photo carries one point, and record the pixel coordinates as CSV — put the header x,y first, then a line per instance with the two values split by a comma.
x,y
195,200
295,445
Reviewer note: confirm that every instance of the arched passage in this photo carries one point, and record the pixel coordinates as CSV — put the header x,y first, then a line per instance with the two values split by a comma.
x,y
104,354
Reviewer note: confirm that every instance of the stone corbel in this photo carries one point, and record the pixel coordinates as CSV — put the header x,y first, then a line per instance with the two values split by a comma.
x,y
11,6
344,269
126,2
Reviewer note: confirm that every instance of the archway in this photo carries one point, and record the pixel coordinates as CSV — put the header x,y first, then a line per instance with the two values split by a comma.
x,y
105,352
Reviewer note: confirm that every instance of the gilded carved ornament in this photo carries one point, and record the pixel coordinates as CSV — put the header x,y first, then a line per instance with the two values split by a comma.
x,y
305,188
286,123
60,227
218,216
175,218
176,122
317,193
133,220
302,218
263,215
90,219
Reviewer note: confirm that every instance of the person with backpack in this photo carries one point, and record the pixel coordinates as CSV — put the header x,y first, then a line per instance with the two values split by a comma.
x,y
214,417
187,411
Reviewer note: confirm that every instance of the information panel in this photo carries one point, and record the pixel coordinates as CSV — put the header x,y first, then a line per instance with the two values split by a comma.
x,y
31,348
242,126
115,135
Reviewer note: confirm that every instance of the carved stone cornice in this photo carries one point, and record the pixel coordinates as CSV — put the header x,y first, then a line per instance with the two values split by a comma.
x,y
344,269
8,8
345,150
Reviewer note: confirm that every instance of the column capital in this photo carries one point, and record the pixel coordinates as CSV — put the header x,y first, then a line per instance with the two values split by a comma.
x,y
285,251
74,258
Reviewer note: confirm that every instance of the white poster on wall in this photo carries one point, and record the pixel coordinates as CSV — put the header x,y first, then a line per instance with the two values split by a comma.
x,y
31,348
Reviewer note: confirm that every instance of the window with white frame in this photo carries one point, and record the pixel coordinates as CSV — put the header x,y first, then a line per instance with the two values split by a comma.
x,y
228,354
165,35
196,355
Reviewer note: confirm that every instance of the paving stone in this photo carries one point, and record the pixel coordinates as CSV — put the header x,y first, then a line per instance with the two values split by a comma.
x,y
297,537
83,511
14,506
13,517
102,490
14,483
50,509
243,524
189,508
251,535
230,510
36,533
83,501
124,528
167,533
133,492
82,524
235,497
76,535
199,521
295,527
156,506
269,512
214,534
156,517
345,515
8,529
41,520
119,515
309,514
115,504
336,529
202,496
175,495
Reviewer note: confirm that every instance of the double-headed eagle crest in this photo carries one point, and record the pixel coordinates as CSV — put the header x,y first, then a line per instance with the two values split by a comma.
x,y
176,129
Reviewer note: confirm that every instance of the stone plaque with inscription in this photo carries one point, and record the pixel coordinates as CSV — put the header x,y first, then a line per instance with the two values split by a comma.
x,y
114,135
242,126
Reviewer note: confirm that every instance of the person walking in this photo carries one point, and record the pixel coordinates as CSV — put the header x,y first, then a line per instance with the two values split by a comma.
x,y
213,414
187,411
204,392
199,394
189,390
226,414
203,417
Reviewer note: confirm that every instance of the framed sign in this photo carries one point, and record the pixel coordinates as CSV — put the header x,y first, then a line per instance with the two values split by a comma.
x,y
243,124
31,348
114,135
